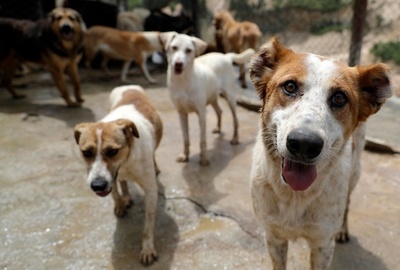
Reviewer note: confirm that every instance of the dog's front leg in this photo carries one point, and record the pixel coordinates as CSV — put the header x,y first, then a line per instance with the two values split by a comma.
x,y
183,118
59,80
120,207
148,253
277,249
321,257
145,71
203,144
72,70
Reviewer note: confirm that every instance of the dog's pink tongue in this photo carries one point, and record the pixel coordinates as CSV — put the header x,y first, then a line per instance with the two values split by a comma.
x,y
298,176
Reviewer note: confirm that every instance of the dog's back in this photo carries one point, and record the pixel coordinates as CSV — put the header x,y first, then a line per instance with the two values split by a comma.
x,y
132,103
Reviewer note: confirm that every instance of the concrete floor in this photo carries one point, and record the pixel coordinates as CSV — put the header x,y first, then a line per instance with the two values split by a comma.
x,y
50,219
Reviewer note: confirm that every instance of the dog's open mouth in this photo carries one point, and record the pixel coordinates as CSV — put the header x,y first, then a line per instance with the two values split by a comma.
x,y
67,32
178,69
103,193
297,175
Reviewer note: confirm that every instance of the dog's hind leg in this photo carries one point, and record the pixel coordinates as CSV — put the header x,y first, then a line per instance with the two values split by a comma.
x,y
231,99
145,71
218,112
203,139
124,72
184,157
8,68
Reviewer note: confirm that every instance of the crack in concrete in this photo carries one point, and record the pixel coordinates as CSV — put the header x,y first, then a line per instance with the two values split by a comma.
x,y
206,211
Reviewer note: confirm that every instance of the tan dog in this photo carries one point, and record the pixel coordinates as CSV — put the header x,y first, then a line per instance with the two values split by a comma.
x,y
121,148
236,36
54,42
122,45
306,159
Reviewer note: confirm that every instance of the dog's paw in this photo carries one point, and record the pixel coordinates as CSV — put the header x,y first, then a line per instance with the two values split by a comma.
x,y
216,130
182,158
342,237
234,141
127,202
73,104
148,256
204,162
120,211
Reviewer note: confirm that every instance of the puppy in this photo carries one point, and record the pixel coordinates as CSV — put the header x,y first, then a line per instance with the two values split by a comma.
x,y
306,159
193,83
54,42
121,148
234,36
121,45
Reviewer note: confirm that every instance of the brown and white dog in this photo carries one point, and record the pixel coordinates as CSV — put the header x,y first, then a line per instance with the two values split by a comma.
x,y
306,160
195,81
120,148
121,45
235,36
54,42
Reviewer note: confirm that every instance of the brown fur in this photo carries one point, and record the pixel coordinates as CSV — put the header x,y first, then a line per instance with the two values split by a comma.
x,y
54,42
120,45
235,36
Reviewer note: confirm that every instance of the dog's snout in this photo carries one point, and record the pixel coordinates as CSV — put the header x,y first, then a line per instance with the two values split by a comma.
x,y
178,64
66,27
304,143
98,185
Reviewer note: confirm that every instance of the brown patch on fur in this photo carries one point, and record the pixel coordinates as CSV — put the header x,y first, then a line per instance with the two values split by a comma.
x,y
144,106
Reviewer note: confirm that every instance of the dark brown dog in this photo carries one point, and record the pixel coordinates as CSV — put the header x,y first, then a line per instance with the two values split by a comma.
x,y
54,42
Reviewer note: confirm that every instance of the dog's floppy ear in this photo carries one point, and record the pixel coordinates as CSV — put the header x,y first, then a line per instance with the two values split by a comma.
x,y
200,45
166,38
263,63
374,87
128,128
79,128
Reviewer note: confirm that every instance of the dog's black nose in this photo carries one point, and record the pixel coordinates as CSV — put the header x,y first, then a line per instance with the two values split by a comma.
x,y
66,28
304,143
98,184
178,64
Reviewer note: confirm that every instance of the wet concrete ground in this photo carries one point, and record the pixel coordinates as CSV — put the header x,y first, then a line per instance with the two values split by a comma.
x,y
50,219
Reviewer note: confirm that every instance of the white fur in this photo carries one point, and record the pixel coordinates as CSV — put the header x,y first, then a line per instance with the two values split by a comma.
x,y
318,213
139,167
202,80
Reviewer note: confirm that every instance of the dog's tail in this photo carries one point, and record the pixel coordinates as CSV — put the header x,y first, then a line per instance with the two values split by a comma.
x,y
242,57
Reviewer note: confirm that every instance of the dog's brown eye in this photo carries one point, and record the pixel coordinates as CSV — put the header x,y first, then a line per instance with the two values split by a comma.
x,y
111,152
88,153
290,88
188,51
174,48
338,99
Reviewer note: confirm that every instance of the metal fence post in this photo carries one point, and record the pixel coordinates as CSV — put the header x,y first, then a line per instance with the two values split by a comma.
x,y
357,31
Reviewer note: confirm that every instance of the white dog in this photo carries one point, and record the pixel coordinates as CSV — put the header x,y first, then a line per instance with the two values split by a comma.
x,y
306,159
193,83
121,148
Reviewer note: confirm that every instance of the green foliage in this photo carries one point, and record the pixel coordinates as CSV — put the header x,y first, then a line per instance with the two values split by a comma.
x,y
317,5
387,51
